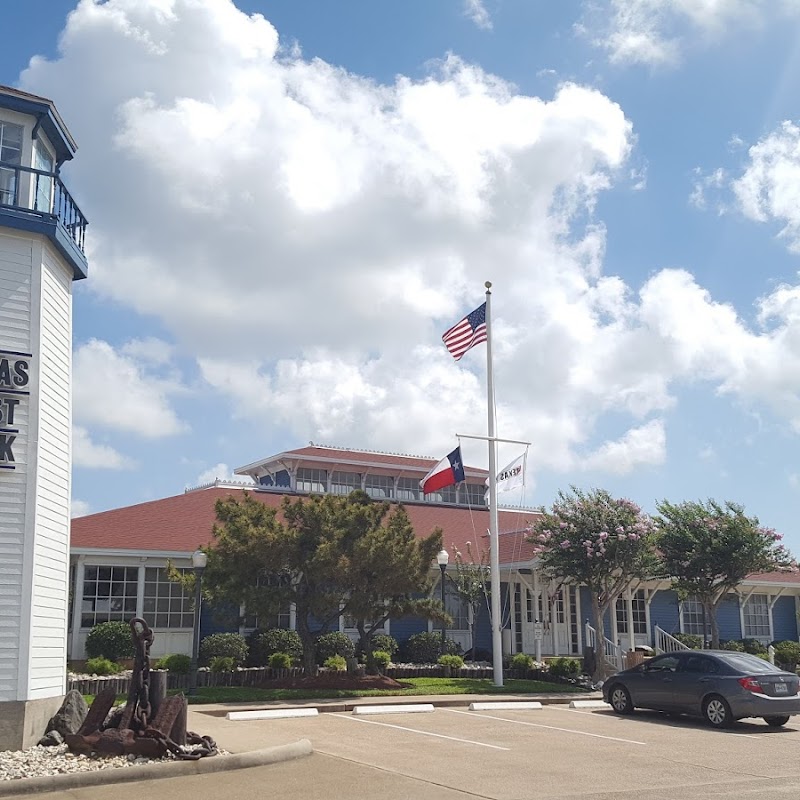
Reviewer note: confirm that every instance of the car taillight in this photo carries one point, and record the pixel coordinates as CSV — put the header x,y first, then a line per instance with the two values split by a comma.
x,y
751,684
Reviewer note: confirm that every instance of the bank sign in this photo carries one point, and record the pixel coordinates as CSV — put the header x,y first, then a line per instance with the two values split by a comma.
x,y
15,370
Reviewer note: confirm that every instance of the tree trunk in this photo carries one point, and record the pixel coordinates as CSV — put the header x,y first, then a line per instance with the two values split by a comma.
x,y
711,613
600,668
309,643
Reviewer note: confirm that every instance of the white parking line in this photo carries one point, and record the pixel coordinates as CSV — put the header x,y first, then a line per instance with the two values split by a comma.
x,y
422,733
549,727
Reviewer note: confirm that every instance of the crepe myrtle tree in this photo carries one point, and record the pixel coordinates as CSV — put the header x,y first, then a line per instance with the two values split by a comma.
x,y
592,539
709,548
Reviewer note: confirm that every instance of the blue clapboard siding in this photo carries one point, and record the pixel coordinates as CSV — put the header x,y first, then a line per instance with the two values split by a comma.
x,y
784,619
664,612
729,619
403,629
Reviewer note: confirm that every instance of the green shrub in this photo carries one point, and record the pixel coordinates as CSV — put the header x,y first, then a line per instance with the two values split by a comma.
x,y
336,663
102,666
565,667
384,642
111,640
521,661
753,646
334,644
222,664
382,659
262,644
691,640
280,661
425,648
449,660
177,663
735,645
787,654
223,645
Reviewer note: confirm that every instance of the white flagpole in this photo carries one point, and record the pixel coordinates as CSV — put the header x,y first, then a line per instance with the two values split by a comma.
x,y
494,552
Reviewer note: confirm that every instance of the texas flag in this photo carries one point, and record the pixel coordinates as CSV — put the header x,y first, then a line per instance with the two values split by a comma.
x,y
447,472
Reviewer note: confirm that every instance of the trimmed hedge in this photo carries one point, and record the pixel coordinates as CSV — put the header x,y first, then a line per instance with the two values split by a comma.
x,y
111,640
223,645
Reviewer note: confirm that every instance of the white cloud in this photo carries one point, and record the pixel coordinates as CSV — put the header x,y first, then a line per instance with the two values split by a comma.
x,y
713,181
307,234
221,472
476,11
656,32
769,188
642,446
112,390
86,453
80,508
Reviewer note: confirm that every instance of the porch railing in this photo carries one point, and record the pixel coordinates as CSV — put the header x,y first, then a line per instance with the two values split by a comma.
x,y
612,653
42,193
666,643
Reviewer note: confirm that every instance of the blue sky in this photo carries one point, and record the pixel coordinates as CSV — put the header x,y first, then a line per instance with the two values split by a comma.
x,y
286,213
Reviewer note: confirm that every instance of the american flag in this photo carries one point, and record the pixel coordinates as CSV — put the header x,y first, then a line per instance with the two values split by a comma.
x,y
467,333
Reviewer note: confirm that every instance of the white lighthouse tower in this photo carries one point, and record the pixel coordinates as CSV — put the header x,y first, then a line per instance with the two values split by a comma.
x,y
41,253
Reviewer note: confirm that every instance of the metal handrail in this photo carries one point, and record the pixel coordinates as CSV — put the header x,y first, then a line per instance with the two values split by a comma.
x,y
612,652
60,205
666,643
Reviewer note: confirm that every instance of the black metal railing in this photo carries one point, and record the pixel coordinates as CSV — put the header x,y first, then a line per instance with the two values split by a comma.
x,y
43,193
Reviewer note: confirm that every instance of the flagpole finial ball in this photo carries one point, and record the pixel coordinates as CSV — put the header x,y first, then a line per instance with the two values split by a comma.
x,y
488,284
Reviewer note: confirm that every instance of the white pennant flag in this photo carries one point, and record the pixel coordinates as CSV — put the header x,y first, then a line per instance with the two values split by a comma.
x,y
511,476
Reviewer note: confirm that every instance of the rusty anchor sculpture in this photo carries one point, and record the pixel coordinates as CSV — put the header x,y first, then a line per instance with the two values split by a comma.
x,y
139,728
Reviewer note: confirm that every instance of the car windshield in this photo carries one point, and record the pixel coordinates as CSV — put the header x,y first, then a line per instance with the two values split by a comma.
x,y
744,662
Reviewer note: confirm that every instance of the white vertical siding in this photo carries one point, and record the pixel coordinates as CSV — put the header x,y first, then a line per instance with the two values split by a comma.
x,y
48,643
16,267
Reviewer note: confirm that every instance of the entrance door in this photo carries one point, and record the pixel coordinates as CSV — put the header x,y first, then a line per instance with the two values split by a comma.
x,y
528,623
559,623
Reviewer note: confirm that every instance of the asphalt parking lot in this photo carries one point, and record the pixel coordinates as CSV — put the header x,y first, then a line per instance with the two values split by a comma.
x,y
554,752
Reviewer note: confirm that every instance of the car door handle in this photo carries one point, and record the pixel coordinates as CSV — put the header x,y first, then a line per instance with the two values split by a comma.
x,y
704,680
667,680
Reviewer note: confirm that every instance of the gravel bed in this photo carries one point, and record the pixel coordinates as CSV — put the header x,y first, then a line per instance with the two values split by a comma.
x,y
40,762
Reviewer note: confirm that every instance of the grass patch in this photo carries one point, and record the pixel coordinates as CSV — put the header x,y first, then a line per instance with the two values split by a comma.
x,y
250,694
421,686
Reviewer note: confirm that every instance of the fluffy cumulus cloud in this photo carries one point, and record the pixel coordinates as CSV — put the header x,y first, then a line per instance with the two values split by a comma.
x,y
89,454
114,391
769,188
307,235
655,32
80,508
219,472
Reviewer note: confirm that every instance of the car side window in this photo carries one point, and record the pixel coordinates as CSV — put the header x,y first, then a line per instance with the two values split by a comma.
x,y
699,664
664,664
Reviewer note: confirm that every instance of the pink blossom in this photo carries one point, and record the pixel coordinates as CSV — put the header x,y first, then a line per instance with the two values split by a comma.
x,y
603,536
541,537
565,544
619,529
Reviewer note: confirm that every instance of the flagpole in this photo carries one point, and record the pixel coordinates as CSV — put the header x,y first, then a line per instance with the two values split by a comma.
x,y
494,550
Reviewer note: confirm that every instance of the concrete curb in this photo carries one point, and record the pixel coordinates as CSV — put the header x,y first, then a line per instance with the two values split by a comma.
x,y
173,769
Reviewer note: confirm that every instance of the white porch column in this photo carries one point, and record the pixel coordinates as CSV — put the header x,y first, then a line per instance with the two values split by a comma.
x,y
629,604
537,621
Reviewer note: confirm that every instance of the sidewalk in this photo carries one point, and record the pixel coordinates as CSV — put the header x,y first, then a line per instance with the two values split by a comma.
x,y
255,744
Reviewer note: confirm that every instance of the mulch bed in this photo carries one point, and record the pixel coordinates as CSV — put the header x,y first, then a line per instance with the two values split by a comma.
x,y
334,680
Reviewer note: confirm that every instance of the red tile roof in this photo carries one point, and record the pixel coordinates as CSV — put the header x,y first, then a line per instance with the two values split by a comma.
x,y
184,522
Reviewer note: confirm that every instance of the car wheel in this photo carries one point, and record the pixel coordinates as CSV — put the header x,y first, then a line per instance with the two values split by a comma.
x,y
717,712
620,699
776,722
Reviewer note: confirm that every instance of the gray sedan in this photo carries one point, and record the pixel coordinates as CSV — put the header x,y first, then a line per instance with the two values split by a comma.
x,y
719,685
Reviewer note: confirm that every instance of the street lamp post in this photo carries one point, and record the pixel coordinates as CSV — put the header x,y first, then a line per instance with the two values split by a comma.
x,y
199,561
442,557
